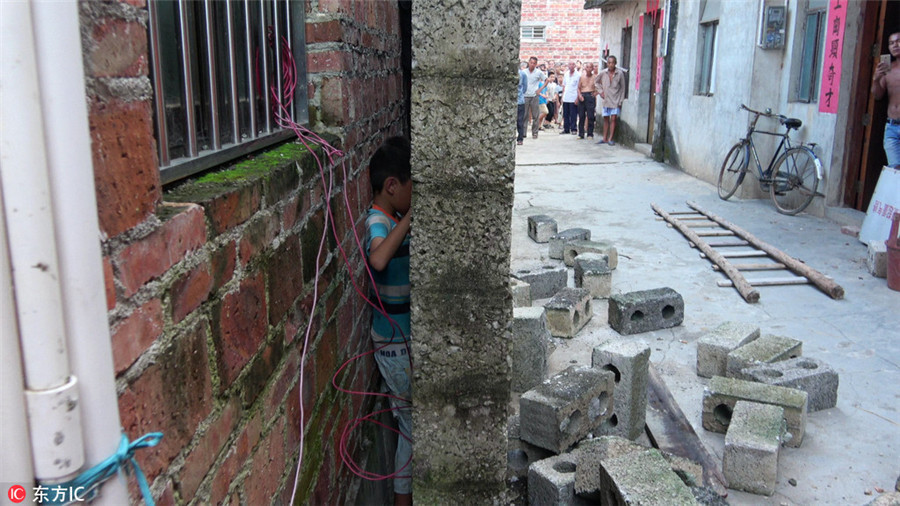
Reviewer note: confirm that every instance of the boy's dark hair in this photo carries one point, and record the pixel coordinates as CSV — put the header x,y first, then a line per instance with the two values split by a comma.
x,y
390,160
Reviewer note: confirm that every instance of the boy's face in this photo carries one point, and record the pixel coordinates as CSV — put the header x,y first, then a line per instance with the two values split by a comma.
x,y
402,197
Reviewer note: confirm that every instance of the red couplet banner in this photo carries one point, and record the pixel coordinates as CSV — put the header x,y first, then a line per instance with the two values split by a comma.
x,y
834,46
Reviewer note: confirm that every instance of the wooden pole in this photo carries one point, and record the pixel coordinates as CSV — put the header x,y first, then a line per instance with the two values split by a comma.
x,y
740,283
827,285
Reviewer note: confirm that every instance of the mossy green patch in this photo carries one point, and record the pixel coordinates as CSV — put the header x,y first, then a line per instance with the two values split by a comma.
x,y
257,166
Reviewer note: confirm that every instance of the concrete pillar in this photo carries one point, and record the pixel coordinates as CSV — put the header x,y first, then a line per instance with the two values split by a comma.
x,y
465,61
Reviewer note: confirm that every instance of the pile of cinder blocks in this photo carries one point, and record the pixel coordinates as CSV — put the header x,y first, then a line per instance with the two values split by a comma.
x,y
759,393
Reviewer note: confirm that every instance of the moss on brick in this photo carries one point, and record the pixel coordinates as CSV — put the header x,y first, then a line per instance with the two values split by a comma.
x,y
257,166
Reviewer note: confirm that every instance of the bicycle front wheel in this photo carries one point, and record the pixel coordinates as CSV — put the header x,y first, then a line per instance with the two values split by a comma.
x,y
733,170
795,180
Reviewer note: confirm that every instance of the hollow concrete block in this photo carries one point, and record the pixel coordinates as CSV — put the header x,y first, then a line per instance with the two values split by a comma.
x,y
564,409
552,481
813,376
544,280
765,350
520,454
629,361
590,456
593,273
721,394
541,228
521,292
636,312
575,248
713,348
754,437
529,348
558,241
643,477
569,311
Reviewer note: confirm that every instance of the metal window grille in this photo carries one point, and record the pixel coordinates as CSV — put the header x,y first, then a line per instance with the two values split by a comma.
x,y
533,33
214,66
811,57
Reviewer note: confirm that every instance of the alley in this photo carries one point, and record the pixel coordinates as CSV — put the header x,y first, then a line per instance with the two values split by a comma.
x,y
849,451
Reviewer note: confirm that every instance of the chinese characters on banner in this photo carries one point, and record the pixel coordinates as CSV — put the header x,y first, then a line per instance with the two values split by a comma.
x,y
637,68
834,46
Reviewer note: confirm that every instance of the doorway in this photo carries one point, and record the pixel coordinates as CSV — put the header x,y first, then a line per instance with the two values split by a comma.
x,y
865,155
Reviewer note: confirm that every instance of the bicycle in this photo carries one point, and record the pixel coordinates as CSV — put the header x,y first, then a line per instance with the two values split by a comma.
x,y
791,179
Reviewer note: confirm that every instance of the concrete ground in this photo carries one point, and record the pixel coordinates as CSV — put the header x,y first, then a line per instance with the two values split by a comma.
x,y
850,451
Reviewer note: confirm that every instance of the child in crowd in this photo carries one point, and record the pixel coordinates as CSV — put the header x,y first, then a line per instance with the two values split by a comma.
x,y
387,252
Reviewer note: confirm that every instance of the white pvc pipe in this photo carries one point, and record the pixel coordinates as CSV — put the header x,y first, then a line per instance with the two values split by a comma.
x,y
67,134
27,202
15,459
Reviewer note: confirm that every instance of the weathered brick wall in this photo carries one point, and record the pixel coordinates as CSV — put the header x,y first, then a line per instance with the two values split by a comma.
x,y
210,284
573,33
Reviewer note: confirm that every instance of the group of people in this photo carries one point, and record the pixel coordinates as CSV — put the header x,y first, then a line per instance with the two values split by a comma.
x,y
543,95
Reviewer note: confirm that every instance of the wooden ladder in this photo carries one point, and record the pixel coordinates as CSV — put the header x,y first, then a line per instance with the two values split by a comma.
x,y
698,224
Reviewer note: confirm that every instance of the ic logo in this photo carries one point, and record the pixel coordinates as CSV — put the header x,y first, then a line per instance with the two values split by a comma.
x,y
16,493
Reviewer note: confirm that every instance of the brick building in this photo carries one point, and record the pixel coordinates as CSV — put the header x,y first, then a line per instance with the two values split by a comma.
x,y
560,30
210,252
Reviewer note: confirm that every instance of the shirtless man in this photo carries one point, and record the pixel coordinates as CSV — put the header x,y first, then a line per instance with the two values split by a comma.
x,y
887,79
586,101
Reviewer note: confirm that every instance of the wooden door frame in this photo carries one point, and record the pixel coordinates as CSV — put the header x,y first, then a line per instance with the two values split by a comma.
x,y
858,137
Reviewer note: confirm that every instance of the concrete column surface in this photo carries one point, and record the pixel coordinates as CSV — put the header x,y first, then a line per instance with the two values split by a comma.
x,y
848,451
465,57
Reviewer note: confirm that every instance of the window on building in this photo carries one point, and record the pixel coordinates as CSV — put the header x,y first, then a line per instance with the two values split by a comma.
x,y
625,61
706,47
212,66
533,33
812,52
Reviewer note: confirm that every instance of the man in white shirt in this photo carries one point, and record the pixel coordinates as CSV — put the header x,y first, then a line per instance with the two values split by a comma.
x,y
570,93
535,77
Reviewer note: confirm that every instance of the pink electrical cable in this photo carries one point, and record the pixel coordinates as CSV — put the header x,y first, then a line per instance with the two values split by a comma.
x,y
307,137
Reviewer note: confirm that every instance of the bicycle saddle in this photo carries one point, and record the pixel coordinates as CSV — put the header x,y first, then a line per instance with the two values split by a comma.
x,y
791,123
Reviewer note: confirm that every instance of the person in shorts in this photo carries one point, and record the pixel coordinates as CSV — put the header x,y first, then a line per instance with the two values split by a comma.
x,y
610,85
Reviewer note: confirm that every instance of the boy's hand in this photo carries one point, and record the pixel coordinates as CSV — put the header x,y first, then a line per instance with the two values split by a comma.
x,y
382,249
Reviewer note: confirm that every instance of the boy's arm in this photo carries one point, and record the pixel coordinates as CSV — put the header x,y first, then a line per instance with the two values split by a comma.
x,y
382,249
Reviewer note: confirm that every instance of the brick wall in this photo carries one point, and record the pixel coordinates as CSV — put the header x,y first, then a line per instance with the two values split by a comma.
x,y
572,32
210,285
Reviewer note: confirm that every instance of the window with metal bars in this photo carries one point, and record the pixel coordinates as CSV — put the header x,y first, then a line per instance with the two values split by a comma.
x,y
811,55
223,74
534,33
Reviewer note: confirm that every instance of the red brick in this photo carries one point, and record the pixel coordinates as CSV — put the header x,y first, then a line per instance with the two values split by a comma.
x,y
190,291
334,102
292,409
328,61
267,467
136,333
109,280
118,49
235,458
258,234
232,208
240,326
289,213
285,278
172,396
153,255
200,460
326,359
275,397
325,31
223,261
126,174
325,490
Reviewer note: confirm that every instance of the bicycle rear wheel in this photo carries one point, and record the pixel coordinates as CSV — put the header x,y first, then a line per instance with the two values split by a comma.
x,y
795,180
733,170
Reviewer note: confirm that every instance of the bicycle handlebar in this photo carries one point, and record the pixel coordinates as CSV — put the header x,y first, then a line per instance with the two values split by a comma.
x,y
768,113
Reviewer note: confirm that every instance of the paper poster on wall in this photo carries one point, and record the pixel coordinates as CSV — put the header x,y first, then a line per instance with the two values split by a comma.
x,y
640,43
834,46
659,71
